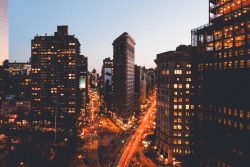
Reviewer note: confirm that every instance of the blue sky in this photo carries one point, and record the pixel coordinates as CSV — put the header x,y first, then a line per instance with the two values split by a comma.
x,y
156,25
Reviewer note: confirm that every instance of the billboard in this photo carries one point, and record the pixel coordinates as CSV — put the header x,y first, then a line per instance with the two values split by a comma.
x,y
82,83
108,76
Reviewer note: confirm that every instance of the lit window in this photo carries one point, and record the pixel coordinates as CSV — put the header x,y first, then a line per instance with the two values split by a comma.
x,y
188,72
175,99
187,107
175,86
188,65
187,86
179,127
241,113
180,107
177,71
175,106
235,112
242,64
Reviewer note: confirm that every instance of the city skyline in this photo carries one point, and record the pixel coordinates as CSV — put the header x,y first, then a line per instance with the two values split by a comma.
x,y
96,25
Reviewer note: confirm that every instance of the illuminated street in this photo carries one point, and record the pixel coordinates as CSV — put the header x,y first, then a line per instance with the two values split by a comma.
x,y
137,137
90,136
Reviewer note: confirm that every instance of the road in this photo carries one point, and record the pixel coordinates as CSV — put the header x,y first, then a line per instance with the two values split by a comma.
x,y
137,137
91,137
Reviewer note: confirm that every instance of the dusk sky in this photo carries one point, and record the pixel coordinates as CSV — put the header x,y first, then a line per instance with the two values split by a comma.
x,y
156,26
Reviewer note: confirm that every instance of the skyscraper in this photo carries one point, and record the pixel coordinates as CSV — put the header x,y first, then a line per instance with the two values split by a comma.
x,y
58,76
107,83
222,77
4,31
124,77
138,87
173,102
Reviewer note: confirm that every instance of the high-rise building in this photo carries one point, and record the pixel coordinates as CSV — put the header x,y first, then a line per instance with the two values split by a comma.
x,y
138,87
19,81
173,102
151,81
124,77
84,84
222,77
4,76
94,78
107,84
57,75
4,31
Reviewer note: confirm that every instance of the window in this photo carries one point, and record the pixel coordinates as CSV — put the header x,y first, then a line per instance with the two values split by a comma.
x,y
175,106
180,107
188,72
188,65
175,86
177,71
175,99
180,86
188,79
241,113
242,64
178,65
235,64
187,107
187,86
235,112
179,127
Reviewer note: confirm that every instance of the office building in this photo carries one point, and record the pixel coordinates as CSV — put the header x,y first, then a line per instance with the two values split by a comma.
x,y
107,84
58,75
138,88
222,77
123,48
173,103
